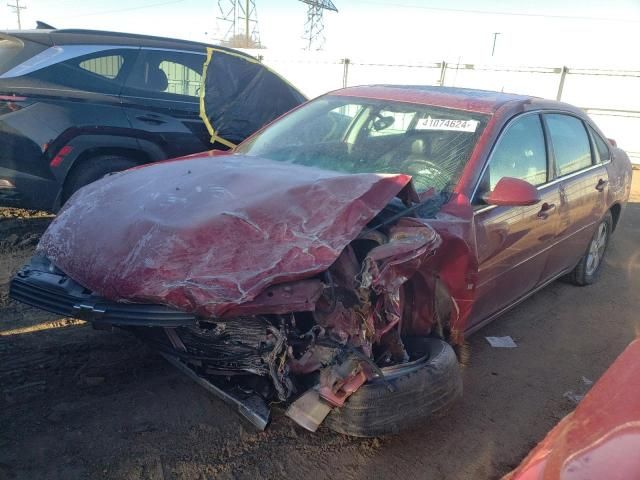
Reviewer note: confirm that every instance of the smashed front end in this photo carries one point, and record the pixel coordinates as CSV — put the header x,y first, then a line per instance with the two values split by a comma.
x,y
273,287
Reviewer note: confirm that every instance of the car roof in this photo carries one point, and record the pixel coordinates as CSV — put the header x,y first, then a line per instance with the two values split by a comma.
x,y
469,99
99,37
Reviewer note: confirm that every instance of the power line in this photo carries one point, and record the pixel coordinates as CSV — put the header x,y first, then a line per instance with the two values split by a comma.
x,y
141,7
497,12
16,9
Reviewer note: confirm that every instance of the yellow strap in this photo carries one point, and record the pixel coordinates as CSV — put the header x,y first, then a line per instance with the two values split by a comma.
x,y
221,140
203,82
203,114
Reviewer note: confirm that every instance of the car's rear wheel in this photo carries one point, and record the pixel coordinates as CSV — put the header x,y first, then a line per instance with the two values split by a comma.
x,y
590,265
94,169
426,386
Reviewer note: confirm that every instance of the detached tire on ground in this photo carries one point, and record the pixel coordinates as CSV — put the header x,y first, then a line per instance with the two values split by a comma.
x,y
425,387
94,169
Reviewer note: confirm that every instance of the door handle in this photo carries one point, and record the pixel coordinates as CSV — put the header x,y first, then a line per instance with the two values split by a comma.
x,y
546,209
601,184
152,119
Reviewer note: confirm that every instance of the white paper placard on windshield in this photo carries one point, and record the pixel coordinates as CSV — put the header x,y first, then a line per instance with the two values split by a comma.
x,y
447,124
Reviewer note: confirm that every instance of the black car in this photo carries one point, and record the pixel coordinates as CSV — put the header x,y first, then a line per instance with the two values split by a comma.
x,y
76,105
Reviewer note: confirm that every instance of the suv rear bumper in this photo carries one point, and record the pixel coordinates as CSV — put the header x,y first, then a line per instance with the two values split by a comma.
x,y
41,285
22,190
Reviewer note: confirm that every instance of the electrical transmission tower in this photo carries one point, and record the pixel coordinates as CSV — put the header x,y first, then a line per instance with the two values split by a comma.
x,y
238,21
314,26
16,8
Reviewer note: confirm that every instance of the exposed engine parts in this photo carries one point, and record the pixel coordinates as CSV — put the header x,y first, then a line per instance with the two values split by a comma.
x,y
322,355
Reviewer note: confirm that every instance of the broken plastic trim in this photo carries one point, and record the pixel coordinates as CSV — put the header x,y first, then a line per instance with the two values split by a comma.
x,y
309,411
253,407
435,202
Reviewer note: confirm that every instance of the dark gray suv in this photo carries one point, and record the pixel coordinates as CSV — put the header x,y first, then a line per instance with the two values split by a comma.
x,y
76,105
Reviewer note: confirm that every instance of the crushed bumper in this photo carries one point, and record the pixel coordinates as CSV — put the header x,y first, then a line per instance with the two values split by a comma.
x,y
41,285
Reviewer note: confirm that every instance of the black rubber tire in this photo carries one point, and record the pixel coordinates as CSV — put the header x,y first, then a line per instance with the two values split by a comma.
x,y
423,388
579,275
94,169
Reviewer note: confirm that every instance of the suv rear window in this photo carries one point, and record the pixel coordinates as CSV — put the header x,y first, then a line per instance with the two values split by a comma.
x,y
107,66
14,51
101,72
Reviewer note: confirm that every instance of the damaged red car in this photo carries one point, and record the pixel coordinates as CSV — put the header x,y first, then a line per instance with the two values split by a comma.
x,y
333,261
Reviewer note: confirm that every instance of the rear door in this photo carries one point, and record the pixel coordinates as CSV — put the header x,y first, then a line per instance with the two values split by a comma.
x,y
161,97
583,182
512,242
67,91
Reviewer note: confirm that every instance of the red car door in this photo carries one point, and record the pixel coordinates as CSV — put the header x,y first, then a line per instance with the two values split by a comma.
x,y
512,242
583,183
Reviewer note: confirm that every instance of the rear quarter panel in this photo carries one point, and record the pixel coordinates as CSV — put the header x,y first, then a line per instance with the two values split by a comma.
x,y
620,172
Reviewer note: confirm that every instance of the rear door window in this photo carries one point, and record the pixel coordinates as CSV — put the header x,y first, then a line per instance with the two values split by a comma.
x,y
167,75
100,72
602,149
570,143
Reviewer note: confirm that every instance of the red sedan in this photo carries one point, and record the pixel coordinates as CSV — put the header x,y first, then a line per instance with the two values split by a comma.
x,y
334,258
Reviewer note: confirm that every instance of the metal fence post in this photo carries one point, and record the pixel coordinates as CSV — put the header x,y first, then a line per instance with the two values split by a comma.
x,y
443,72
345,71
563,76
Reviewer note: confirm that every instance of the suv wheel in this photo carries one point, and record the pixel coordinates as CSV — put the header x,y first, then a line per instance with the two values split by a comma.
x,y
92,170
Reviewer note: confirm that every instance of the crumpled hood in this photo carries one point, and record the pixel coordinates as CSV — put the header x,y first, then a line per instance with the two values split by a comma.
x,y
208,233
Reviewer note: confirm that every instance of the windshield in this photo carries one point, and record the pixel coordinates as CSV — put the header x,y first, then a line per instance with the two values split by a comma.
x,y
355,135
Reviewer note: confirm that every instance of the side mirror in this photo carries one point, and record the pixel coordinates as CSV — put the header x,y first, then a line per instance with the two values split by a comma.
x,y
513,192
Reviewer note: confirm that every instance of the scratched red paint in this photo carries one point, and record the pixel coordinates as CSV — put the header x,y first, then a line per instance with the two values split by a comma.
x,y
212,233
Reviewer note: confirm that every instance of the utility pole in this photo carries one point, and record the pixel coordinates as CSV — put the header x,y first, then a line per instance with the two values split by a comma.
x,y
495,37
17,9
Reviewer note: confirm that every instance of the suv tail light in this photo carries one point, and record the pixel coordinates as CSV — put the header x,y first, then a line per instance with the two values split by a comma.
x,y
11,103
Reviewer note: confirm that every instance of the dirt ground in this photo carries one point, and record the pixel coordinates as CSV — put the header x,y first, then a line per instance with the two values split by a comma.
x,y
79,403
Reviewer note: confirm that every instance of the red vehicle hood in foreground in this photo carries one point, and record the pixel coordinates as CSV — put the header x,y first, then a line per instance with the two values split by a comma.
x,y
601,438
208,234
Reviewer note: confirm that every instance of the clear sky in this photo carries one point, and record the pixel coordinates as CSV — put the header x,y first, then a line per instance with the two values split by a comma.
x,y
544,32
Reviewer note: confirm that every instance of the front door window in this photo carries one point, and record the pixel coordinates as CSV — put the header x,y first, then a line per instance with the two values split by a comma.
x,y
520,153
